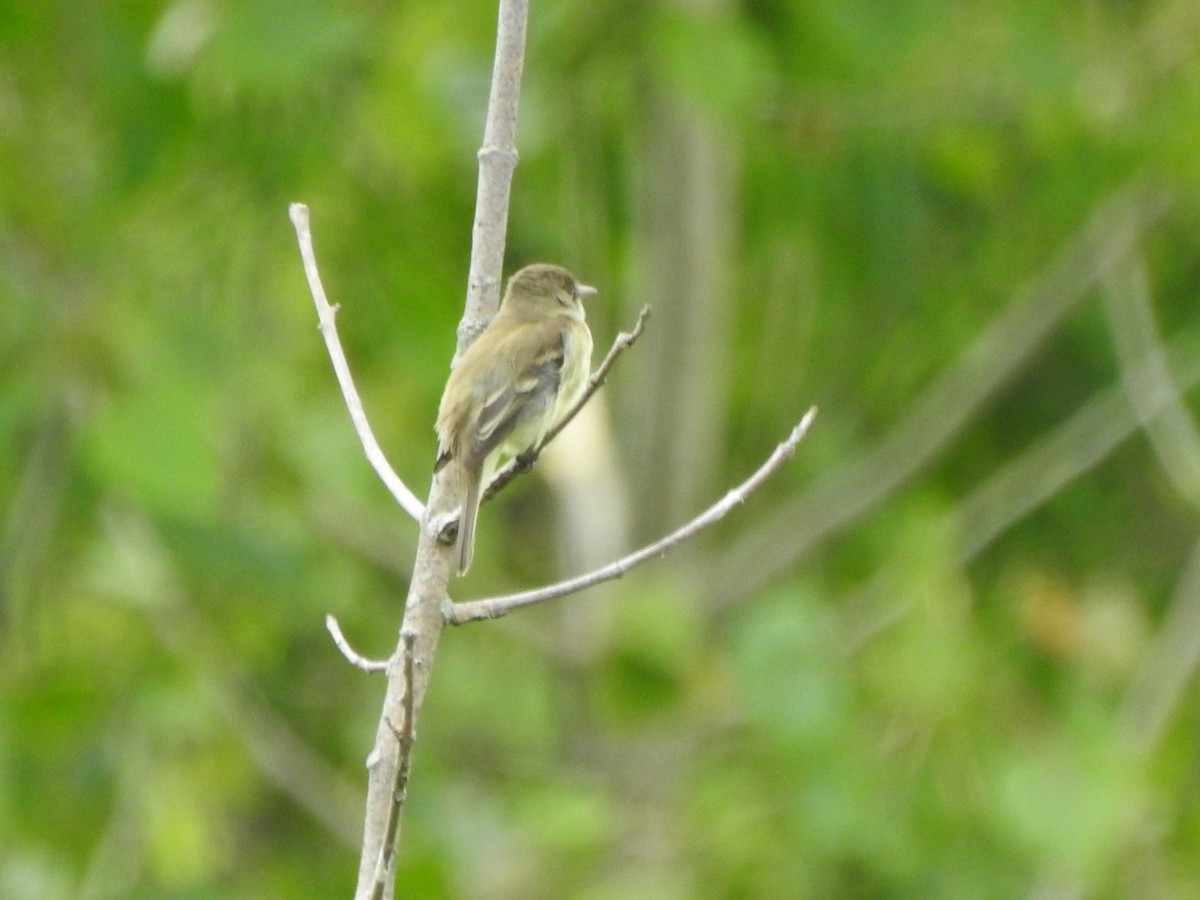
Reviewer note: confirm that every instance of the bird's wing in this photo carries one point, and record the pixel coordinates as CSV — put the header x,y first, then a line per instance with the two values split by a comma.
x,y
519,399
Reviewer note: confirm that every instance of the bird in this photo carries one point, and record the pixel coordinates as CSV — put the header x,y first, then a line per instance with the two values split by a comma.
x,y
513,384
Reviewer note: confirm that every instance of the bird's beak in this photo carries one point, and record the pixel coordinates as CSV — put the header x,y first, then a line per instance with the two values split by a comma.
x,y
585,290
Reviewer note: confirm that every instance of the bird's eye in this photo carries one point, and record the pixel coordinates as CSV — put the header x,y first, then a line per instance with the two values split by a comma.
x,y
563,297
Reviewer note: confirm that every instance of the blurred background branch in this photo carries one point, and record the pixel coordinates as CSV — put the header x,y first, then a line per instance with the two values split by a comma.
x,y
942,409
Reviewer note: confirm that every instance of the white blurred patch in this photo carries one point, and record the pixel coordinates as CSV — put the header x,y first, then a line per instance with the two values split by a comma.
x,y
179,36
581,466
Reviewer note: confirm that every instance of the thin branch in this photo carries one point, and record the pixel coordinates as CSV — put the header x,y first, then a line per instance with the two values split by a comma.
x,y
521,464
495,607
623,341
352,656
325,316
405,738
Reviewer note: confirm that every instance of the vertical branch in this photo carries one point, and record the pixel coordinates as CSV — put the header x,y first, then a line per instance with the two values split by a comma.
x,y
497,160
685,224
427,607
405,737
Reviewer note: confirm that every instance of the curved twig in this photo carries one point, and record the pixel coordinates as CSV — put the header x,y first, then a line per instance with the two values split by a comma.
x,y
355,658
325,316
495,607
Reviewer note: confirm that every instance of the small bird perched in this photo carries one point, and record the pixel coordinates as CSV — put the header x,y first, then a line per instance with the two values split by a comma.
x,y
527,367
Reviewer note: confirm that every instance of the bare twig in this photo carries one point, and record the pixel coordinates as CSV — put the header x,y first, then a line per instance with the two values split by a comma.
x,y
352,656
326,315
495,607
514,467
623,341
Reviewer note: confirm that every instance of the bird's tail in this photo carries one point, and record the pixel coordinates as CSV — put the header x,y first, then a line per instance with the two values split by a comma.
x,y
465,543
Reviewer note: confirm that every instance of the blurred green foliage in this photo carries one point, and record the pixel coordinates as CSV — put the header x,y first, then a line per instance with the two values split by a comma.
x,y
183,498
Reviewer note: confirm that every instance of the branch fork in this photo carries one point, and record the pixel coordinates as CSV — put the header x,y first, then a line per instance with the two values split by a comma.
x,y
442,529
